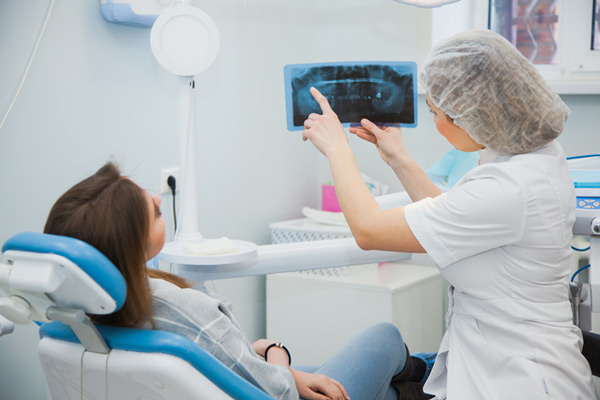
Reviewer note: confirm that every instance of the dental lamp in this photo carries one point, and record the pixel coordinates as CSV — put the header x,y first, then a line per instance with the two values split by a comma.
x,y
185,42
427,3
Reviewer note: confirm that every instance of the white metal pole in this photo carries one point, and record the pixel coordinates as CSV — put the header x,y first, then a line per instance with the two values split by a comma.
x,y
187,228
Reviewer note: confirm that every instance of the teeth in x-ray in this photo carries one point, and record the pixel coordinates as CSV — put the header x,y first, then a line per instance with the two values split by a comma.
x,y
353,91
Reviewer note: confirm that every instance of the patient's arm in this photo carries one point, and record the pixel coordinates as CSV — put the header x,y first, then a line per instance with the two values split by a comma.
x,y
277,356
310,386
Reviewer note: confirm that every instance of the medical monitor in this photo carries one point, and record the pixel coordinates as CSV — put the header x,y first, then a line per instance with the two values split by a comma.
x,y
382,91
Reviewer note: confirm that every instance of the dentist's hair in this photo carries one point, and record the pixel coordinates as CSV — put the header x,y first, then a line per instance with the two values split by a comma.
x,y
110,212
489,89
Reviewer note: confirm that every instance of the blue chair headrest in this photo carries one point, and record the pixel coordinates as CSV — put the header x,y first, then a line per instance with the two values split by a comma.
x,y
91,261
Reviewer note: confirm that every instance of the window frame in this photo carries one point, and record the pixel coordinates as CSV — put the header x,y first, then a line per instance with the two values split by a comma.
x,y
577,67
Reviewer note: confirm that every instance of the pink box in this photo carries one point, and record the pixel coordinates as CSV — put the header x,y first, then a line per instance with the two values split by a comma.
x,y
329,200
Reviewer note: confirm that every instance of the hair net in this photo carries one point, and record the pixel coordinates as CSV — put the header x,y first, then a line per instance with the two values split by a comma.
x,y
494,93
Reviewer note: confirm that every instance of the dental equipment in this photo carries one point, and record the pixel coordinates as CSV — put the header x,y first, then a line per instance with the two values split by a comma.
x,y
586,179
585,297
185,41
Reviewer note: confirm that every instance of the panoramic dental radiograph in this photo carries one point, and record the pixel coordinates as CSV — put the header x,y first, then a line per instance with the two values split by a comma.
x,y
383,92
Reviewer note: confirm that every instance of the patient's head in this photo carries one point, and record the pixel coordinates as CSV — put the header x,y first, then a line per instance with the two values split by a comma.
x,y
121,220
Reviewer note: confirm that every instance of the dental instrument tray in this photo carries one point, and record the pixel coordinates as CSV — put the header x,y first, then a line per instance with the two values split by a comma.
x,y
384,92
175,252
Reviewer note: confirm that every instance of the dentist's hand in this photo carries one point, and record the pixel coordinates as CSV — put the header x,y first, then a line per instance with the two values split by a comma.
x,y
324,131
318,387
387,140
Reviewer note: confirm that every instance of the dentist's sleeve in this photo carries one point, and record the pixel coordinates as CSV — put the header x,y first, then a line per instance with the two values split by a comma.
x,y
481,213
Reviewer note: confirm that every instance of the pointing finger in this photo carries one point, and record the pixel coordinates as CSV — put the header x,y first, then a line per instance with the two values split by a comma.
x,y
323,103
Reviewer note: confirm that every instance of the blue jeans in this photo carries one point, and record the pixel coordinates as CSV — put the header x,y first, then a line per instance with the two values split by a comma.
x,y
367,363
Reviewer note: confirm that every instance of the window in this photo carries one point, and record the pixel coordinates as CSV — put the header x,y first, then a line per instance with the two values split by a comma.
x,y
531,26
561,37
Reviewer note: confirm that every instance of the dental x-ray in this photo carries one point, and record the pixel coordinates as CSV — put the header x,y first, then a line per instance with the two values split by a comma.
x,y
383,92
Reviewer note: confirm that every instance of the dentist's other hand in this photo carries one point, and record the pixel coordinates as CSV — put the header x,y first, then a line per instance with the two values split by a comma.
x,y
324,130
387,140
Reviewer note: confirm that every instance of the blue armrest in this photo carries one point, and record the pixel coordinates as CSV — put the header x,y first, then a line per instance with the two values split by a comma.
x,y
150,341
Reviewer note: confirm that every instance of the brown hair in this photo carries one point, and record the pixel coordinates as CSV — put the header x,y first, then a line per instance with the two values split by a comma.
x,y
110,212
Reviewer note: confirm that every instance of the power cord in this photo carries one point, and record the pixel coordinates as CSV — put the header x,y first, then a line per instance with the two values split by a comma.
x,y
172,182
35,50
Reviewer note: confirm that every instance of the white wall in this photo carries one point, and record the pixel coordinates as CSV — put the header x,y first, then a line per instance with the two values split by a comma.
x,y
94,93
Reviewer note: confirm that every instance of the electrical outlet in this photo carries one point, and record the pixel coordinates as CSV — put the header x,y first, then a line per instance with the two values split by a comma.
x,y
164,175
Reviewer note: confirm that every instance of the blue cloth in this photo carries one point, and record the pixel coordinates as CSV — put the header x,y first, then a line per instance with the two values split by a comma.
x,y
367,363
451,167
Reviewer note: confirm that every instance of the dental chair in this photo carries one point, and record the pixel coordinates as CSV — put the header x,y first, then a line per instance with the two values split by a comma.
x,y
56,281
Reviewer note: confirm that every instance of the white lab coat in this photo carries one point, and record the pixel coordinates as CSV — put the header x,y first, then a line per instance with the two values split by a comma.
x,y
502,237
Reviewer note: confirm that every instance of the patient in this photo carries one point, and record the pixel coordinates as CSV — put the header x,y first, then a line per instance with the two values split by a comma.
x,y
117,217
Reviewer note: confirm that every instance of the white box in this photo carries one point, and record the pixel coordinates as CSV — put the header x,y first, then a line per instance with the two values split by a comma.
x,y
314,315
305,230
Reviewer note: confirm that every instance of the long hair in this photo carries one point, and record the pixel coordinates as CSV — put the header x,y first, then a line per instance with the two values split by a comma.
x,y
110,212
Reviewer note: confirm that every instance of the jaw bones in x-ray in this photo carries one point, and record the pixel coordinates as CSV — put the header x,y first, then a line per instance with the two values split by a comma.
x,y
383,93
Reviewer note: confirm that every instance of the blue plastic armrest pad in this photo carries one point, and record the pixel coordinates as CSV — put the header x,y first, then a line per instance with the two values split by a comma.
x,y
150,341
91,261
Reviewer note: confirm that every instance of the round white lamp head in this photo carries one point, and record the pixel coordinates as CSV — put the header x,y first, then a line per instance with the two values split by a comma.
x,y
184,40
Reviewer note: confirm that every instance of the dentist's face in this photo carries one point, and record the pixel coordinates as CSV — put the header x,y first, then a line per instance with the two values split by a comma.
x,y
457,136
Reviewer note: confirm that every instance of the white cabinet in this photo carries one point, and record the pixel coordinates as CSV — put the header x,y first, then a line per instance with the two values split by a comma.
x,y
314,314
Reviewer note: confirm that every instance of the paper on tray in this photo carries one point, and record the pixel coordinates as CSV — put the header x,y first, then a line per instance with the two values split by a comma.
x,y
210,247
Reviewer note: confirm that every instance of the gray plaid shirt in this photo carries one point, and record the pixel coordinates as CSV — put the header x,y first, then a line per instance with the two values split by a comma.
x,y
208,321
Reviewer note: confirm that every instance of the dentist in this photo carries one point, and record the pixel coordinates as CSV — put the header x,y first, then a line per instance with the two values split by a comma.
x,y
501,236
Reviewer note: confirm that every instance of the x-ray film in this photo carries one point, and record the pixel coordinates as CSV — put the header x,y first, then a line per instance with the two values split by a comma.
x,y
383,92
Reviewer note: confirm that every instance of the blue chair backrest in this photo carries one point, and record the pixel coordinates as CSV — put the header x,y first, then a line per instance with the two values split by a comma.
x,y
105,274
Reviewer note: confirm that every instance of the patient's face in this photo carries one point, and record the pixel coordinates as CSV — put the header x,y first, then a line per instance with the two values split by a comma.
x,y
156,236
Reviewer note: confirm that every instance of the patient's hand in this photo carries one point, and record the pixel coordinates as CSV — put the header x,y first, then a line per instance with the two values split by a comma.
x,y
318,387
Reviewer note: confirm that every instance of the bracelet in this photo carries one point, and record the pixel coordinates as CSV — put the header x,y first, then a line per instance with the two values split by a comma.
x,y
281,346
